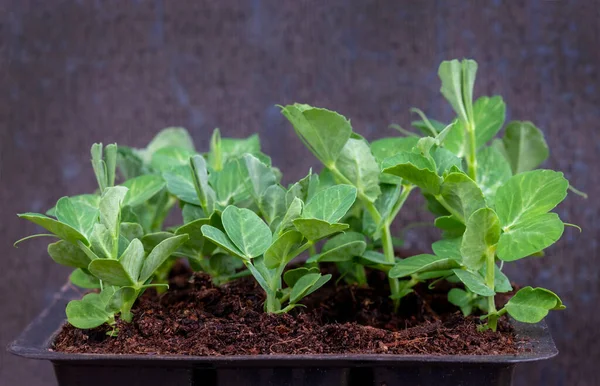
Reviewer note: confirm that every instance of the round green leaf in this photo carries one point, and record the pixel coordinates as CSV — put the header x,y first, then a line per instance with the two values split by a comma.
x,y
247,231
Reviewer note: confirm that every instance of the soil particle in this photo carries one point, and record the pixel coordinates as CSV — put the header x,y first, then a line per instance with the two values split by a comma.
x,y
197,318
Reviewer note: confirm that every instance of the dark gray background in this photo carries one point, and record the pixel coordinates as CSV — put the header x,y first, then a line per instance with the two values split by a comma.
x,y
75,72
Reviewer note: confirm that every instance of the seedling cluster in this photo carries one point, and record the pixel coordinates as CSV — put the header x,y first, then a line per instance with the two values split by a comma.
x,y
491,204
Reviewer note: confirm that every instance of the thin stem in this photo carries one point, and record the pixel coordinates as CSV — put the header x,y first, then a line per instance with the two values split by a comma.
x,y
32,237
472,159
490,282
388,251
401,200
401,130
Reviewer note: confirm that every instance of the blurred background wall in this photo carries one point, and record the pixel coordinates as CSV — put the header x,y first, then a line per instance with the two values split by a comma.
x,y
74,72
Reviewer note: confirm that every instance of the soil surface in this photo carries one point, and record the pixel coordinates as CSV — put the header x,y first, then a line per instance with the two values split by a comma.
x,y
194,317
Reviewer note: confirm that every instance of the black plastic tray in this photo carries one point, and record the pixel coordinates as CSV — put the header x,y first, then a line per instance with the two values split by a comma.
x,y
271,370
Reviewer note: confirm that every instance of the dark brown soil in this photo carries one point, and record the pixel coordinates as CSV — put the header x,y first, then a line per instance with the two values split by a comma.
x,y
196,318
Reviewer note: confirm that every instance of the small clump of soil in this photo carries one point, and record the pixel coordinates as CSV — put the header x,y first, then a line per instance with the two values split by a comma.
x,y
195,317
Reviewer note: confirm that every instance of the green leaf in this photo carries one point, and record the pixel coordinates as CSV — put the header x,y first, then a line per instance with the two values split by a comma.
x,y
142,188
206,194
445,160
343,247
358,165
421,263
169,157
88,312
293,212
218,237
171,137
314,229
524,146
480,238
384,204
129,163
151,240
65,253
292,276
531,305
461,299
528,195
279,252
262,276
488,116
529,236
462,195
99,166
215,155
304,189
233,148
474,282
492,172
324,132
84,280
415,169
231,183
132,258
63,231
197,246
110,208
180,184
78,214
191,212
501,282
458,79
448,248
330,204
451,226
260,176
102,242
111,271
131,231
389,147
303,285
159,254
272,203
247,231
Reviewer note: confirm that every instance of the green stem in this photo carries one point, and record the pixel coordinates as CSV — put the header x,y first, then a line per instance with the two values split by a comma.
x,y
401,200
369,206
490,282
388,251
472,159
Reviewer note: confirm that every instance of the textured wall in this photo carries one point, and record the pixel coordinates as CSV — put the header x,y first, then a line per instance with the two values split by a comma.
x,y
74,72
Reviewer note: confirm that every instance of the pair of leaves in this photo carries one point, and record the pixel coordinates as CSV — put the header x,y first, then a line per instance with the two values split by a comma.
x,y
531,305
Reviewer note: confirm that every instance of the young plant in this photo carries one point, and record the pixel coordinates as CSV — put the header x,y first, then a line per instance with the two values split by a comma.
x,y
349,159
266,253
490,204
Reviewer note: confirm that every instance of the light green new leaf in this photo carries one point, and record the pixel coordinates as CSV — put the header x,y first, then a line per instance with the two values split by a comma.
x,y
421,263
247,231
458,78
261,273
132,258
77,214
445,160
524,146
151,240
304,189
306,285
110,206
324,132
474,282
233,148
159,254
60,229
314,229
279,252
272,203
292,276
370,258
131,231
197,246
65,253
331,204
529,236
528,195
480,237
142,188
414,168
231,184
492,172
219,238
111,272
488,117
293,212
170,157
384,204
260,176
206,194
462,195
84,280
358,165
180,184
531,305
